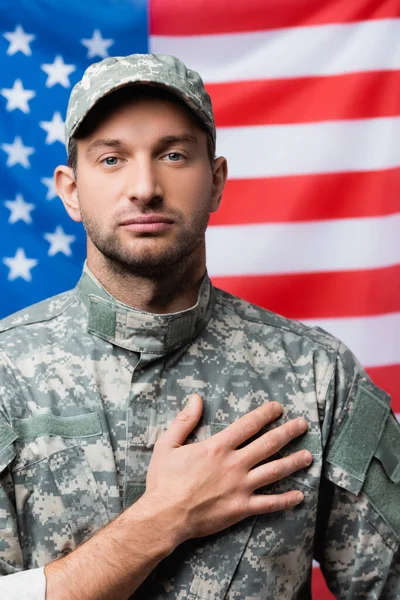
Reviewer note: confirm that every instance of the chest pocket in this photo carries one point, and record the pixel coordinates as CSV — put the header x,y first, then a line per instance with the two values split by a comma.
x,y
57,500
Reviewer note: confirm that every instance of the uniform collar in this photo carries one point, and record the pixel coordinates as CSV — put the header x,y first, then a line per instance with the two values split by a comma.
x,y
136,329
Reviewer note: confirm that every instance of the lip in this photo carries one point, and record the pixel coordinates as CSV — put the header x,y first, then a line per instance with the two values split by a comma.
x,y
147,223
150,218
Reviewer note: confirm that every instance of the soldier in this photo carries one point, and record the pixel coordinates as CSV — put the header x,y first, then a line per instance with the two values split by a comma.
x,y
286,449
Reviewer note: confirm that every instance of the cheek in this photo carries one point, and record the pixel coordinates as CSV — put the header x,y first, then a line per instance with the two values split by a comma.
x,y
189,188
95,196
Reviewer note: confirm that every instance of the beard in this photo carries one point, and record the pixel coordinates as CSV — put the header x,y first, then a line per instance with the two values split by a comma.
x,y
157,260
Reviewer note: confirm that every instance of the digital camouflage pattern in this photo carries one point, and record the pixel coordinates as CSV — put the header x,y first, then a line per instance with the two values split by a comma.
x,y
114,72
87,385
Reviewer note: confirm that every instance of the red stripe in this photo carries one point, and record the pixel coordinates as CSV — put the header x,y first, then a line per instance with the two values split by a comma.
x,y
320,590
320,295
306,99
388,379
309,197
203,17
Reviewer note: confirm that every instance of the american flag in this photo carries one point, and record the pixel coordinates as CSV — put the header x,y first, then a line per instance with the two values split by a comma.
x,y
306,97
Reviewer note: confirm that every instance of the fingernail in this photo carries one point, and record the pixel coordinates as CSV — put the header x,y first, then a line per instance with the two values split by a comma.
x,y
277,408
299,497
191,404
301,424
308,458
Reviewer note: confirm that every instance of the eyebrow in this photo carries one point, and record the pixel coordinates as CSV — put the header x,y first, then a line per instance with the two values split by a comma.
x,y
165,140
105,142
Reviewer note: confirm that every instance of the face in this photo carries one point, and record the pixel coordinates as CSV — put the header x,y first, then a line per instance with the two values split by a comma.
x,y
145,187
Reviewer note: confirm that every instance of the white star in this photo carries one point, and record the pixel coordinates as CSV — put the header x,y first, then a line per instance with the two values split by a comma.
x,y
51,188
58,72
59,242
54,128
19,41
17,96
20,265
97,46
18,154
20,210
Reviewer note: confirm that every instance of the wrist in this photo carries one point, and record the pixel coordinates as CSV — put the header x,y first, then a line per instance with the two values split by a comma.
x,y
116,560
168,523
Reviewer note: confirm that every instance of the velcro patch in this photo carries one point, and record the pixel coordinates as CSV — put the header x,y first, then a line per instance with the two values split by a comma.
x,y
388,450
78,426
356,443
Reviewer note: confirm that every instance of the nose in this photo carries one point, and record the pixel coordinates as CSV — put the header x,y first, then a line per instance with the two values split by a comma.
x,y
142,184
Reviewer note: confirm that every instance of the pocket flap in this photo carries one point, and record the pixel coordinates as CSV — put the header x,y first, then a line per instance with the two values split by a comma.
x,y
217,563
79,492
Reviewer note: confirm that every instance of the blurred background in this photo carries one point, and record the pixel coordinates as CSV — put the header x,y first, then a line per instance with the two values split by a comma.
x,y
306,96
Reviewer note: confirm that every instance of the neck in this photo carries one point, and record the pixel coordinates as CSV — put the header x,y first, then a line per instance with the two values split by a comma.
x,y
174,290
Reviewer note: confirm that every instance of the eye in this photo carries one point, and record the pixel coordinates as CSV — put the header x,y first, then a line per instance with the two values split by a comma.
x,y
175,156
110,161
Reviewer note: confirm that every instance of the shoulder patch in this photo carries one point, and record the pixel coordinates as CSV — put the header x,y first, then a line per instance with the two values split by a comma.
x,y
358,439
382,484
365,457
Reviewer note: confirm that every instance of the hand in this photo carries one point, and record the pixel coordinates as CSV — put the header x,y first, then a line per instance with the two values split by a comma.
x,y
209,485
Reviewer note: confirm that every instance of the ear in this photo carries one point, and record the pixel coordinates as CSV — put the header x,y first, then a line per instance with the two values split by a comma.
x,y
220,174
66,187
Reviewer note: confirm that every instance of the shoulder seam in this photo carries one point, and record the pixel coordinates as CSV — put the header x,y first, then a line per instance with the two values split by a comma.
x,y
304,333
47,320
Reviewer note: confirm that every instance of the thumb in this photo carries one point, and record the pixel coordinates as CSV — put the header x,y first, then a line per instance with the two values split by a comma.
x,y
184,422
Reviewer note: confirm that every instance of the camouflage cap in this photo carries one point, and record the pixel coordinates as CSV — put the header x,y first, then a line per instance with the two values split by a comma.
x,y
115,72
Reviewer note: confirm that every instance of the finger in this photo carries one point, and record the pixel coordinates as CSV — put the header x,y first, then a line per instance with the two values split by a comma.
x,y
271,442
248,425
184,423
278,469
260,504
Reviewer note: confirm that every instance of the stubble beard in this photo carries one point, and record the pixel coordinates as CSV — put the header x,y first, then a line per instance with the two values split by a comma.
x,y
154,264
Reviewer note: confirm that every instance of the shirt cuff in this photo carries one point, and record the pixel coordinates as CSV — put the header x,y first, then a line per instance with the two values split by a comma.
x,y
25,585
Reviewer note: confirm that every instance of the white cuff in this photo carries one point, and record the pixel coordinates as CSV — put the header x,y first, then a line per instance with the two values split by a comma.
x,y
26,585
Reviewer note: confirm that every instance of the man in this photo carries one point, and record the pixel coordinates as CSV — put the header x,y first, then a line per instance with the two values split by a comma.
x,y
220,499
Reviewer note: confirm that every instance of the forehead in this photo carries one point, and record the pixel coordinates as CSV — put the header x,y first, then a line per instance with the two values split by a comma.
x,y
139,106
147,115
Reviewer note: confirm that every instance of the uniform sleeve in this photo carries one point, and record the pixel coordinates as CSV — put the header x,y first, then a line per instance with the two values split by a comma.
x,y
10,551
358,527
15,584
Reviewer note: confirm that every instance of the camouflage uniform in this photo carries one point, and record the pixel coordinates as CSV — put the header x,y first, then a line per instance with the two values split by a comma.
x,y
89,384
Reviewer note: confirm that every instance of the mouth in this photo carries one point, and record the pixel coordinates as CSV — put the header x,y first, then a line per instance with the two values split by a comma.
x,y
151,223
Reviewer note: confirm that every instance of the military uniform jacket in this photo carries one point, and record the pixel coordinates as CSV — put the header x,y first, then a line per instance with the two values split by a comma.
x,y
87,386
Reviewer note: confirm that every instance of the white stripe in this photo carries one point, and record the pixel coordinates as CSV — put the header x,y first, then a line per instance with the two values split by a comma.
x,y
306,148
292,52
318,246
372,339
398,416
315,564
